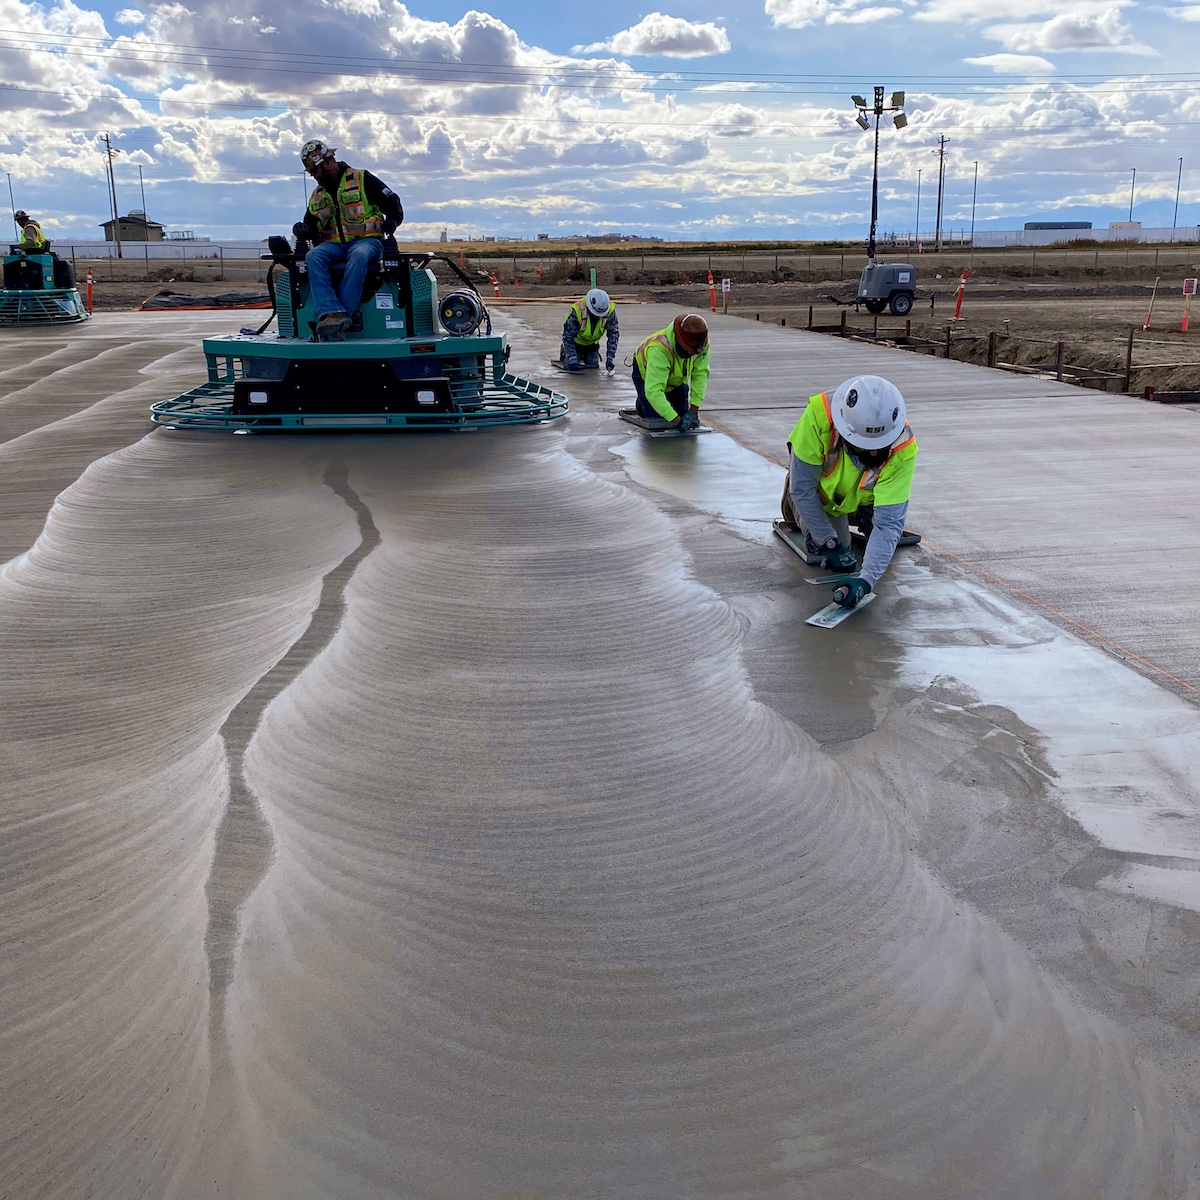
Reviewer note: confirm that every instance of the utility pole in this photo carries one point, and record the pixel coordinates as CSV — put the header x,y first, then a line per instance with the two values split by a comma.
x,y
917,232
1178,181
14,205
941,153
112,185
974,191
1132,185
142,185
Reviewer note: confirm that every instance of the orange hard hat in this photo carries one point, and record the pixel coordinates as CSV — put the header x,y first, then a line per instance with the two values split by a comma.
x,y
691,333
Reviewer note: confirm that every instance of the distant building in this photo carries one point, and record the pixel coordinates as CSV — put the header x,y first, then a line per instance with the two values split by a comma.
x,y
1058,224
445,236
136,227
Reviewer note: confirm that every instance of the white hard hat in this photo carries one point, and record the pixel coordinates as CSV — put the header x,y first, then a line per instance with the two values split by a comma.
x,y
597,302
868,412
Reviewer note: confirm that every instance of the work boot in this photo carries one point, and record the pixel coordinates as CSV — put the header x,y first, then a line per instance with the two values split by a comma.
x,y
332,327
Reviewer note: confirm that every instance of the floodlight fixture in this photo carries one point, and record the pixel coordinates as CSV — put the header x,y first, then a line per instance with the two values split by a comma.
x,y
877,108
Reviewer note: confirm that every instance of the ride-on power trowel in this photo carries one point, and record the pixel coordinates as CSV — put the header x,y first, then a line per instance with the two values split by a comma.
x,y
409,361
39,289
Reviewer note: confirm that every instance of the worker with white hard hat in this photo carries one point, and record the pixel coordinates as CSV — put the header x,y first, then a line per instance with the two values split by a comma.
x,y
851,451
588,320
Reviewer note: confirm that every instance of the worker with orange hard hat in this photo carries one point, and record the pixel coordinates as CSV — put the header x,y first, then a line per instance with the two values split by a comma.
x,y
670,372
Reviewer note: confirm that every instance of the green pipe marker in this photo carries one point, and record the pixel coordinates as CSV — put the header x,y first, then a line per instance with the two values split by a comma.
x,y
593,277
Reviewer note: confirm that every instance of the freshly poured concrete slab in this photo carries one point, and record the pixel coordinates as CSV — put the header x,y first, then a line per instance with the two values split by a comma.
x,y
474,815
1078,502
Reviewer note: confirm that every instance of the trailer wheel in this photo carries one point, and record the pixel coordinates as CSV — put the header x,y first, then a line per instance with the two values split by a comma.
x,y
875,306
901,303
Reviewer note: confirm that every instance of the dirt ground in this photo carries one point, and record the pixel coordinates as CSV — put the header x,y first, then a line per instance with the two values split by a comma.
x,y
1088,303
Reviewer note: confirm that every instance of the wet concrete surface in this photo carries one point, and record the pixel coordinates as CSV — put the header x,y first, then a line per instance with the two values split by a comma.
x,y
474,815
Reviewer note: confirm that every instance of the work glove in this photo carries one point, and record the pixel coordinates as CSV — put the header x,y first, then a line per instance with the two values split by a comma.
x,y
688,421
610,365
849,593
573,363
841,561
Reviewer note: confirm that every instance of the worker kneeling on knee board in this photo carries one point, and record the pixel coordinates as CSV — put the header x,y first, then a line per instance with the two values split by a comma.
x,y
670,372
848,451
588,320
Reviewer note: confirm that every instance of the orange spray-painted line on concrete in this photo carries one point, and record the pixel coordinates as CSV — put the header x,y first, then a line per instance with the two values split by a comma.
x,y
1093,634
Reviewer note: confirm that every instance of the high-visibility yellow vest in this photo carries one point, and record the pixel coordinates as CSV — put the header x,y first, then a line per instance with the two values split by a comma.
x,y
845,487
662,368
359,218
37,239
591,328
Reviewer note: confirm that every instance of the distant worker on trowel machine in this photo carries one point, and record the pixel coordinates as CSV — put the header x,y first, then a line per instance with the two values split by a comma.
x,y
32,237
670,372
588,320
349,214
850,452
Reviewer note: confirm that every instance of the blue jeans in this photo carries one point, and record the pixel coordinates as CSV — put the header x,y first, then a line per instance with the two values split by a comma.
x,y
677,397
360,256
586,356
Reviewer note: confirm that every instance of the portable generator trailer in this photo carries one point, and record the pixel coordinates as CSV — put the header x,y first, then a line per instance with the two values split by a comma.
x,y
888,285
410,361
39,289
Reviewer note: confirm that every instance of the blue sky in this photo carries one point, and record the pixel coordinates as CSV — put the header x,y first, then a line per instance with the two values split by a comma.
x,y
690,120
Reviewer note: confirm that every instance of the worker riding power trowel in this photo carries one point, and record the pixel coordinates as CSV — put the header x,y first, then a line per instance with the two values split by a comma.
x,y
39,287
408,360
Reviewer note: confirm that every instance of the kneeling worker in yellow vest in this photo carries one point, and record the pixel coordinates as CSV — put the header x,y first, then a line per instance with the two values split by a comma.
x,y
588,320
850,451
349,214
670,372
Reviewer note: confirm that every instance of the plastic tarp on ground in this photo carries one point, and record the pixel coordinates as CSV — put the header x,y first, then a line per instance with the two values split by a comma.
x,y
167,299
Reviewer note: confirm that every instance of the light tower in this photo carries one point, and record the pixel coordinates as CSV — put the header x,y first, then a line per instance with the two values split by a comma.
x,y
865,110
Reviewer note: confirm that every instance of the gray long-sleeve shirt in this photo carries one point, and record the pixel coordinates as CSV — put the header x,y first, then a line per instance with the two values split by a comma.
x,y
887,520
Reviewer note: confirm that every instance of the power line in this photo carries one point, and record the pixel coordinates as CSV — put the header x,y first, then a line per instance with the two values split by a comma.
x,y
567,74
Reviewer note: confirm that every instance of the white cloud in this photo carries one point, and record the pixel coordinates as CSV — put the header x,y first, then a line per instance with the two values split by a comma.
x,y
1190,12
798,14
1069,32
671,37
1014,64
976,12
130,16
